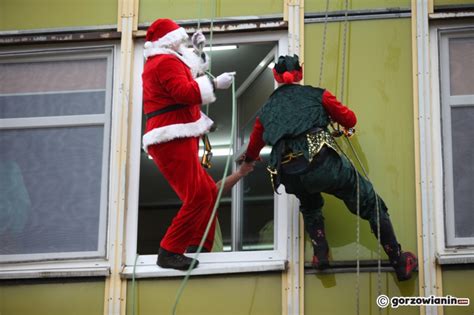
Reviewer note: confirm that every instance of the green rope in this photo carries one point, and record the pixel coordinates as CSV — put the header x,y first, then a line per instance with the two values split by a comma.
x,y
377,208
226,168
199,13
216,205
211,32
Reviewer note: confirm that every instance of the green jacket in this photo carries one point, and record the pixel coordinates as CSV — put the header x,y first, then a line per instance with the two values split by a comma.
x,y
290,111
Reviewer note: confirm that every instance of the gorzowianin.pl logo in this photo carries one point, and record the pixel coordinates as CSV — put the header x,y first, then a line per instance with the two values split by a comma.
x,y
384,301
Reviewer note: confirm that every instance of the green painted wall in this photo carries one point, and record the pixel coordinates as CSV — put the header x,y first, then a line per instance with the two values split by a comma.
x,y
41,14
338,5
453,2
459,283
250,294
336,293
52,298
150,10
379,89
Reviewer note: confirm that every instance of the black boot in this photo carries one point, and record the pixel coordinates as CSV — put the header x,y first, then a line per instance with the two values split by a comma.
x,y
194,248
405,266
404,263
168,259
320,247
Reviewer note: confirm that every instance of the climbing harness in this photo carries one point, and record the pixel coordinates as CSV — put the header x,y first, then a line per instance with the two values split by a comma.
x,y
207,155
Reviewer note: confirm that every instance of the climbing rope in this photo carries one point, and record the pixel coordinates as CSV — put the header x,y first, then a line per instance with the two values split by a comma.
x,y
358,247
344,48
338,132
226,169
343,82
323,46
211,32
216,205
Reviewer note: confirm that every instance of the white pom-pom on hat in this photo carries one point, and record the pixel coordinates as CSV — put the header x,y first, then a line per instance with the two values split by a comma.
x,y
148,45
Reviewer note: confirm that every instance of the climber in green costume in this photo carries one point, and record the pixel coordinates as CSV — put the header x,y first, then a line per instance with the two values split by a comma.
x,y
306,160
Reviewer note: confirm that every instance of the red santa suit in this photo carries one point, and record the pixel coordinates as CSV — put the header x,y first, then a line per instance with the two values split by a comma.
x,y
172,138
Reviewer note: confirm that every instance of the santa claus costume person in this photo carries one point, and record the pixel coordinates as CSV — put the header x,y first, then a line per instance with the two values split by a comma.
x,y
174,88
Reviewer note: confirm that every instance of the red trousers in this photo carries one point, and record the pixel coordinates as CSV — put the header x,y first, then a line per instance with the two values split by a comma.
x,y
178,161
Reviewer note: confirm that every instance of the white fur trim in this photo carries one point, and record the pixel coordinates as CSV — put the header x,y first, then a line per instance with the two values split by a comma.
x,y
206,89
148,45
195,64
170,132
173,38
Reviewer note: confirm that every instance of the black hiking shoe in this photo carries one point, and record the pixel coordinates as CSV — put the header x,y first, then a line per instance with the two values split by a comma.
x,y
168,259
405,266
320,263
320,254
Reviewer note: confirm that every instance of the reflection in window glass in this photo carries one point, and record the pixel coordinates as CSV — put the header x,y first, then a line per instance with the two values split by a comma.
x,y
461,65
53,171
50,190
257,193
457,110
463,169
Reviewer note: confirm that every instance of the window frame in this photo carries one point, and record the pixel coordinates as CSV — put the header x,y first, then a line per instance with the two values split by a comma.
x,y
210,263
440,199
71,264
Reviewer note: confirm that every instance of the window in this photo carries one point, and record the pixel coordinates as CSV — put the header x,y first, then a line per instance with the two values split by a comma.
x,y
55,108
457,115
448,133
252,219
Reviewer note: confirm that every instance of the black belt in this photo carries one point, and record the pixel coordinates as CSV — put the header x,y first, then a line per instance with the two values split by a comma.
x,y
167,109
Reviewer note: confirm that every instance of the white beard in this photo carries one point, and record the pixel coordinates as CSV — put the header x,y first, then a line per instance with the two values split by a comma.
x,y
197,65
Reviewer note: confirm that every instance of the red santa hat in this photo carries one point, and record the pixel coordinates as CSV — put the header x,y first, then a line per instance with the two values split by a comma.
x,y
163,33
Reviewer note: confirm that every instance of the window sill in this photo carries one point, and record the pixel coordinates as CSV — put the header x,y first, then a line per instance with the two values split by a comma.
x,y
460,256
54,270
205,268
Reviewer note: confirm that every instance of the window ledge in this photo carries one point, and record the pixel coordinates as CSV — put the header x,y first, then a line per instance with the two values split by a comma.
x,y
459,257
54,270
205,268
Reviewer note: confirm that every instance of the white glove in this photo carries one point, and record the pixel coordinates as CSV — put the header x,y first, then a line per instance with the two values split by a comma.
x,y
224,80
198,39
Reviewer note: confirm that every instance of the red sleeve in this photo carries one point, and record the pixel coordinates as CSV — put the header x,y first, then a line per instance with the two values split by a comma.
x,y
256,142
338,112
174,76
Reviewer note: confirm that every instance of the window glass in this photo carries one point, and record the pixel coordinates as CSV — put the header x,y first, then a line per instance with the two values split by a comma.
x,y
51,183
463,169
257,192
461,65
54,131
52,88
457,111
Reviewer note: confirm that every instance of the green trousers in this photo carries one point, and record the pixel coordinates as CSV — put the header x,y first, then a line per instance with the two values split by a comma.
x,y
337,176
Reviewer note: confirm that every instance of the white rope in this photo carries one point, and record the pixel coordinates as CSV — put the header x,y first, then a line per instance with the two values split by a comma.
x,y
323,46
379,277
358,246
344,44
